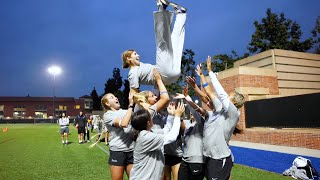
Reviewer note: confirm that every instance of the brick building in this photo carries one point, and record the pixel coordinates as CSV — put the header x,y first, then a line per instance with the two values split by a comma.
x,y
275,74
42,107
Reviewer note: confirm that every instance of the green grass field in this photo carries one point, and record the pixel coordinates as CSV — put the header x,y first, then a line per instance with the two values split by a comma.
x,y
31,151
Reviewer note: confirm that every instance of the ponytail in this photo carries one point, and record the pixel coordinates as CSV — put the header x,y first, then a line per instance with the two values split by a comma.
x,y
135,134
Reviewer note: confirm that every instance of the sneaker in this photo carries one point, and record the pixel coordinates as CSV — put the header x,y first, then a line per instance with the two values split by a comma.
x,y
162,4
178,8
67,142
88,141
62,142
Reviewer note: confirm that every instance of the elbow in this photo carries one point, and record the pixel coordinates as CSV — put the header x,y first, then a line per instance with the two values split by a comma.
x,y
166,98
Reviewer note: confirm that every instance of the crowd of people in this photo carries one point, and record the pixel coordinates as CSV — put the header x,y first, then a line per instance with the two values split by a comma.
x,y
158,139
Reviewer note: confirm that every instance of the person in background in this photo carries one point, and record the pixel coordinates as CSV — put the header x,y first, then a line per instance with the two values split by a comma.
x,y
87,130
64,128
80,123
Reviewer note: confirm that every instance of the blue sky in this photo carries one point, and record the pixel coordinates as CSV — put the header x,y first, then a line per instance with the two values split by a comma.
x,y
87,37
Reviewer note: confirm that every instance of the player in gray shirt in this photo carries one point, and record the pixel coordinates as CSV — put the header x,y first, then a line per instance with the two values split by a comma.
x,y
219,126
121,143
148,150
169,47
64,128
147,100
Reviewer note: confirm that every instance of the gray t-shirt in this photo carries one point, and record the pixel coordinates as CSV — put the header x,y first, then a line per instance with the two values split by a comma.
x,y
158,120
148,158
142,74
218,129
192,139
120,138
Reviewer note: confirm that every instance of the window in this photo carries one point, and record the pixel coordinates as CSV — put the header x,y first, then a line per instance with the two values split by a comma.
x,y
19,114
41,107
77,107
19,111
62,108
88,103
40,115
1,111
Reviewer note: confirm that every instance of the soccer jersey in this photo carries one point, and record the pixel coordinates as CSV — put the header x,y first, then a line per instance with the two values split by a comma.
x,y
64,121
120,138
142,74
148,157
193,139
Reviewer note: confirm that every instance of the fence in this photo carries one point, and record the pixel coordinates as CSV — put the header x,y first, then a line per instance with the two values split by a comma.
x,y
301,111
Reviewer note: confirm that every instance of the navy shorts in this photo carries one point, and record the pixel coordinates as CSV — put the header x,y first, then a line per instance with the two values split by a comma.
x,y
218,168
119,158
172,160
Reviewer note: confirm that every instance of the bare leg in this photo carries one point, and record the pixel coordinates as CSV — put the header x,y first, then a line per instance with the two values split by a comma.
x,y
116,172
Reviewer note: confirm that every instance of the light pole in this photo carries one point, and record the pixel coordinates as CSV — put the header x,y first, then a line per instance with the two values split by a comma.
x,y
54,70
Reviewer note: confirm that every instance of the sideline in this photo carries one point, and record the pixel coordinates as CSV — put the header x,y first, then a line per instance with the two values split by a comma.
x,y
6,140
99,145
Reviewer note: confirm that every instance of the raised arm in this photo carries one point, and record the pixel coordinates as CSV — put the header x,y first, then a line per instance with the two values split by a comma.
x,y
124,122
221,93
172,135
164,96
203,95
207,88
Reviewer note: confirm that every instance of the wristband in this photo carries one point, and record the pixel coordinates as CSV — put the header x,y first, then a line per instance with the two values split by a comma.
x,y
131,106
205,84
163,92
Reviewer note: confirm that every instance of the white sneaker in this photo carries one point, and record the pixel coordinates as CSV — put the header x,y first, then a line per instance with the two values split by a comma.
x,y
178,8
62,142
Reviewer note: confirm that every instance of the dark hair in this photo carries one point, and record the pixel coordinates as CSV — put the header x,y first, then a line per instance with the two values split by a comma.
x,y
139,122
237,131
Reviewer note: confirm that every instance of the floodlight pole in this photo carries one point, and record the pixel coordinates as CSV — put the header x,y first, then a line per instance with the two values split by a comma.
x,y
54,70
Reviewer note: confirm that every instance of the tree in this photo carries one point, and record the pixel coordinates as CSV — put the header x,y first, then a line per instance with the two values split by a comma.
x,y
114,85
316,36
125,92
96,99
187,69
276,32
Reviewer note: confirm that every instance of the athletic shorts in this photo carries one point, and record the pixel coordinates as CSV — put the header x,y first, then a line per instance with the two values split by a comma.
x,y
81,130
119,158
172,160
191,171
218,168
64,129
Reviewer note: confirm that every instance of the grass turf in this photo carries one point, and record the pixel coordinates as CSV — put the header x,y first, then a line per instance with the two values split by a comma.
x,y
35,151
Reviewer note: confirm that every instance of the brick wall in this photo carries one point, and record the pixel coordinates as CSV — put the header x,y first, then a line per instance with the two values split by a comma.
x,y
233,82
293,138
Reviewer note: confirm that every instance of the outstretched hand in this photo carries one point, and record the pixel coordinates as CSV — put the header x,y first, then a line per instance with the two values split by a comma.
x,y
199,70
156,74
179,109
191,81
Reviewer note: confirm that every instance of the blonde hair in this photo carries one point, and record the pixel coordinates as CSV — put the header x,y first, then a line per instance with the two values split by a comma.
x,y
238,99
104,100
141,97
125,55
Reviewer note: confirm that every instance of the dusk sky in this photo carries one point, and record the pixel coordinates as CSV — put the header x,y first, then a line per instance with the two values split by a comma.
x,y
86,37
